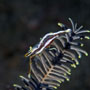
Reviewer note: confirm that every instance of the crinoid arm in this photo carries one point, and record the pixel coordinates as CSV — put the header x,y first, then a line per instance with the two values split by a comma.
x,y
53,65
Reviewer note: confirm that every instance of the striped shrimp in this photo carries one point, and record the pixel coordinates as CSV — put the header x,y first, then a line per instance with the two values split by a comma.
x,y
44,43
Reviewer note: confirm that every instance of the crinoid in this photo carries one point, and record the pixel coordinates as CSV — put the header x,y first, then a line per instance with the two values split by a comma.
x,y
51,66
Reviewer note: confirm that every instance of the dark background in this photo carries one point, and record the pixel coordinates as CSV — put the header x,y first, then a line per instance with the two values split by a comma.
x,y
23,22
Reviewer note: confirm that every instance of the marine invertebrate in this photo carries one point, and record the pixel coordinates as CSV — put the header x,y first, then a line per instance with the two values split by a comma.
x,y
43,44
51,66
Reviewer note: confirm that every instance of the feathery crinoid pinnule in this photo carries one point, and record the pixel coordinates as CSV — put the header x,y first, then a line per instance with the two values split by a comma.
x,y
51,66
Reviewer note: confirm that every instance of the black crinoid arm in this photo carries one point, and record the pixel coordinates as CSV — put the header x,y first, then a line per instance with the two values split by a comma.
x,y
52,66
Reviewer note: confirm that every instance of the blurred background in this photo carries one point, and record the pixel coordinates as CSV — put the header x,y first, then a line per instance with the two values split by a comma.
x,y
23,22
